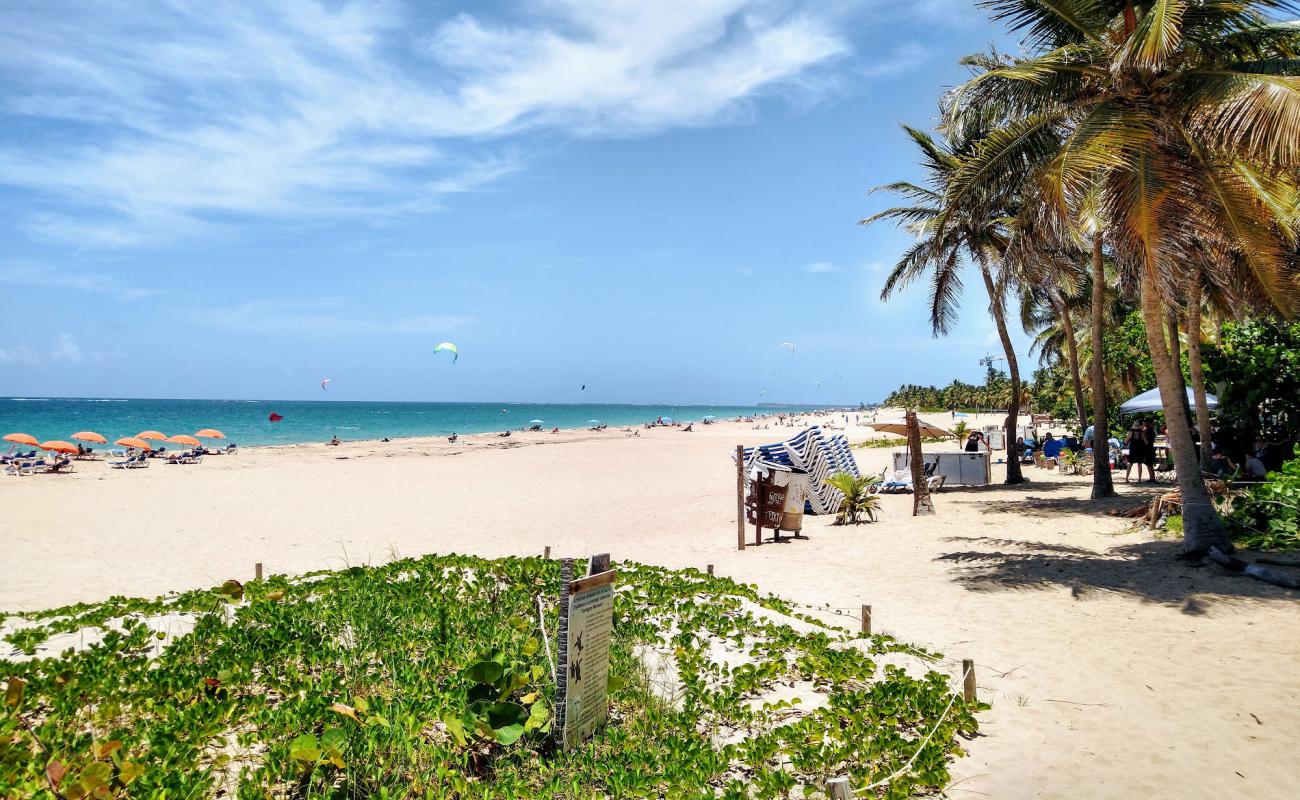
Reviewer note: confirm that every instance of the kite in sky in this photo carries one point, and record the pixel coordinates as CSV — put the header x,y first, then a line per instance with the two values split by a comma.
x,y
789,345
448,346
325,382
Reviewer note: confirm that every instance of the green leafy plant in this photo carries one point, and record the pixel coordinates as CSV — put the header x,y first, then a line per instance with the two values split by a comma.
x,y
501,703
1266,516
960,431
858,500
428,678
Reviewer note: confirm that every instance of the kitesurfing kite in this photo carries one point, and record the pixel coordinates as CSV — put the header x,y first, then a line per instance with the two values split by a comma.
x,y
790,345
818,384
583,388
324,382
275,417
448,346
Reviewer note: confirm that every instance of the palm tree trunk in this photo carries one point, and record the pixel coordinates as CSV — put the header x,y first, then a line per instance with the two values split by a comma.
x,y
1014,475
1072,355
1102,484
1202,528
1198,372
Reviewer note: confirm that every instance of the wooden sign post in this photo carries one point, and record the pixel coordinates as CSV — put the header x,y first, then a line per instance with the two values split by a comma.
x,y
583,681
740,497
765,506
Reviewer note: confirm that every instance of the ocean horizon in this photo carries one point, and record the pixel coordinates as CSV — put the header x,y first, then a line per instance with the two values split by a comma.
x,y
248,422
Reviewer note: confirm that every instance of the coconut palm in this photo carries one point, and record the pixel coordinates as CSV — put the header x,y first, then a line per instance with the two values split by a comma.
x,y
974,232
1164,129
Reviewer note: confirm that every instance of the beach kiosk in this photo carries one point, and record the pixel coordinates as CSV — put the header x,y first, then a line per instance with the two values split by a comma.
x,y
957,468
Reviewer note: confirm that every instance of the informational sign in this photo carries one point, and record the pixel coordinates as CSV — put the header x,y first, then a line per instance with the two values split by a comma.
x,y
586,678
765,502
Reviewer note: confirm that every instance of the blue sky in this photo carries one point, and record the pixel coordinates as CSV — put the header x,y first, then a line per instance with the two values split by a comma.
x,y
239,200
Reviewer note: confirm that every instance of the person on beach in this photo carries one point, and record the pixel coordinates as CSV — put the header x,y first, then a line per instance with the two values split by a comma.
x,y
1220,464
1141,451
334,441
1052,447
453,438
973,442
1149,449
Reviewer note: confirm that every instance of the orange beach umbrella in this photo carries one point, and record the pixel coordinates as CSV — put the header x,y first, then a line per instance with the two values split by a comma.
x,y
181,438
89,436
22,438
210,433
57,446
158,435
133,441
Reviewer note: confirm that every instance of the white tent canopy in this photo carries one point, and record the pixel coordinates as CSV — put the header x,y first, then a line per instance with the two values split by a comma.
x,y
1150,401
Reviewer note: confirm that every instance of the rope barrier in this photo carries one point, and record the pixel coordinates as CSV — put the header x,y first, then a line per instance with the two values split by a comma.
x,y
546,640
916,754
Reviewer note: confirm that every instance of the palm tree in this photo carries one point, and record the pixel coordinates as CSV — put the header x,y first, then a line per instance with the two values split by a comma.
x,y
975,233
1048,304
857,498
1173,126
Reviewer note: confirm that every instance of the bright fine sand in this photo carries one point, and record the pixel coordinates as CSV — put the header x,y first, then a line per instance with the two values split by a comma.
x,y
1114,671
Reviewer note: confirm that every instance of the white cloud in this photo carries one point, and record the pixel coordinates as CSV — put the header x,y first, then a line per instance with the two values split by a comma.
x,y
821,267
183,117
22,354
66,350
329,316
29,274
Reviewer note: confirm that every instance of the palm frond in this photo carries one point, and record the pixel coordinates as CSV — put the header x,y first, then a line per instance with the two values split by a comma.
x,y
1254,114
1157,36
1048,21
909,267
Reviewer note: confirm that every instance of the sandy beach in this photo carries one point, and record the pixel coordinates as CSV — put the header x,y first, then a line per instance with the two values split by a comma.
x,y
1113,669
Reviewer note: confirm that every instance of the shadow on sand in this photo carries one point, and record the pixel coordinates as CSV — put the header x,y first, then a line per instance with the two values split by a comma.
x,y
1151,571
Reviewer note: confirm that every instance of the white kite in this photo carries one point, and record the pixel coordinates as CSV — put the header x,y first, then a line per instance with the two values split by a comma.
x,y
789,345
325,382
448,346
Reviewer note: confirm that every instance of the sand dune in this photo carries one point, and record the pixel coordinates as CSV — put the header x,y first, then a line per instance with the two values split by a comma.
x,y
1113,669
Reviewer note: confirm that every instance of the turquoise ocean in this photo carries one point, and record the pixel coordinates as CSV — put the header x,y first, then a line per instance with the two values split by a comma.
x,y
247,422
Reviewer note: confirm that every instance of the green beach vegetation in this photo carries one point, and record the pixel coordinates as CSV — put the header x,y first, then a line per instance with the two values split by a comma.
x,y
1134,162
430,678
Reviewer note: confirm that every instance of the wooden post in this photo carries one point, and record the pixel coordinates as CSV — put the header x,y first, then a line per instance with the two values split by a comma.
x,y
838,789
866,620
740,497
968,679
546,551
710,570
562,651
257,571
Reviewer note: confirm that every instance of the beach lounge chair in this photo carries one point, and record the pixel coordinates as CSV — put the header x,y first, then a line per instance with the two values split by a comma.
x,y
818,455
134,462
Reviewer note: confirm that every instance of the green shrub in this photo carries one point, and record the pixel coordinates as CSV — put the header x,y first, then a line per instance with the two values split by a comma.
x,y
1266,516
428,678
858,500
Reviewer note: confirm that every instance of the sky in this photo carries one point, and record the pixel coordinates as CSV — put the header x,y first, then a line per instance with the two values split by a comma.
x,y
237,200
